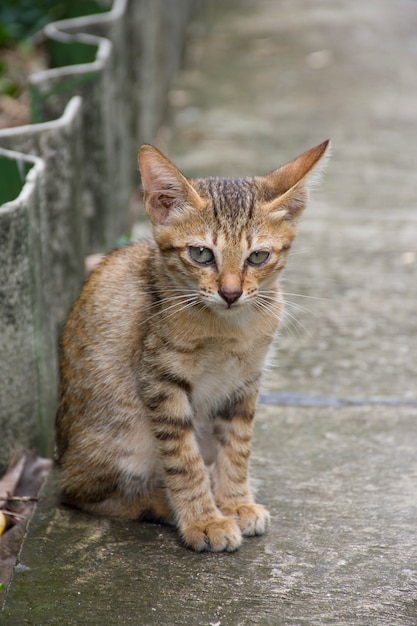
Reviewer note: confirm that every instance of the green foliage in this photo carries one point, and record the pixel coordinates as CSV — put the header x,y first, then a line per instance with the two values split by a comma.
x,y
12,176
20,19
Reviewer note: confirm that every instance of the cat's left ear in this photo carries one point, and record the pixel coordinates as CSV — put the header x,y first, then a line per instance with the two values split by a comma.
x,y
290,183
167,191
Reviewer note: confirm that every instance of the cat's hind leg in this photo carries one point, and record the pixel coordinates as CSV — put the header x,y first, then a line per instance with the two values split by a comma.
x,y
151,506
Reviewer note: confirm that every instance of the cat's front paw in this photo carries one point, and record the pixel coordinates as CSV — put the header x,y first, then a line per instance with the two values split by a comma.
x,y
253,519
218,535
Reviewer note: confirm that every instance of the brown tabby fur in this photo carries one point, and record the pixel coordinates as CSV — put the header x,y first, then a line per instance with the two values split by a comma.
x,y
162,355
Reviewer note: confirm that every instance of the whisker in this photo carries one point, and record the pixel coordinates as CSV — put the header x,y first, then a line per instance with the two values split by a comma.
x,y
170,299
295,295
183,308
296,252
297,307
177,307
303,295
266,300
258,304
290,321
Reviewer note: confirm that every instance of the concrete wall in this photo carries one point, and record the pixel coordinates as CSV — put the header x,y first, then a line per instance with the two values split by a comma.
x,y
65,182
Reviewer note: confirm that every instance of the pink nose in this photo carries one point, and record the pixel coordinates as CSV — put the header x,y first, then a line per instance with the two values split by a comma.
x,y
230,296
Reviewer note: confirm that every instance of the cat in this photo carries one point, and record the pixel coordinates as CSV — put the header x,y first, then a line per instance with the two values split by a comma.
x,y
162,354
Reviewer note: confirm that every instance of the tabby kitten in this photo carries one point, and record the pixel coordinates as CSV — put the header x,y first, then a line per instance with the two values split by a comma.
x,y
163,351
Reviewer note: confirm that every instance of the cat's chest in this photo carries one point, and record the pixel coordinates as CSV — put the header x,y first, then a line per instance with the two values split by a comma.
x,y
219,374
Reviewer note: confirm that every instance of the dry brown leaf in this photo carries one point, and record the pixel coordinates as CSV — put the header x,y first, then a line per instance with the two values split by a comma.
x,y
11,478
20,485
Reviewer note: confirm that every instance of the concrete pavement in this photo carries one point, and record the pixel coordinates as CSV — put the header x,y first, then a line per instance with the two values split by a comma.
x,y
335,455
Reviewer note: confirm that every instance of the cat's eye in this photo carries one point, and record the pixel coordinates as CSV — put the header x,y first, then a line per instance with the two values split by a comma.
x,y
201,255
258,257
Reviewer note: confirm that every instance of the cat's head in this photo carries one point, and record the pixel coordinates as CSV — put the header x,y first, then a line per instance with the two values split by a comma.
x,y
226,240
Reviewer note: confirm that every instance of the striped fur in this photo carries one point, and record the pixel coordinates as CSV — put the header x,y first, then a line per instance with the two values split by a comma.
x,y
162,354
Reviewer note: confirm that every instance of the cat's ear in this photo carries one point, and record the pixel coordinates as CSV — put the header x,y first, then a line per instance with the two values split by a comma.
x,y
290,184
167,191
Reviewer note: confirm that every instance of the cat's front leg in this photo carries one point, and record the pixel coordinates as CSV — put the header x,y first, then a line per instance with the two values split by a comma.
x,y
233,430
201,524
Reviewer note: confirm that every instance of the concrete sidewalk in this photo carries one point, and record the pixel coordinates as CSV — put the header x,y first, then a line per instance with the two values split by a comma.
x,y
335,455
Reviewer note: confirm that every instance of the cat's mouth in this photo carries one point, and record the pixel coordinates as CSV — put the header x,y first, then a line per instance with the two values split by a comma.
x,y
221,305
228,307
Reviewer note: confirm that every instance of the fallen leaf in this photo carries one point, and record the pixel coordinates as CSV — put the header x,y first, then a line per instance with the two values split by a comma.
x,y
11,478
2,523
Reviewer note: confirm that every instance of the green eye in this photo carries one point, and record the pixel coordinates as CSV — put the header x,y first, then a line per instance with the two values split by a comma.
x,y
201,255
258,257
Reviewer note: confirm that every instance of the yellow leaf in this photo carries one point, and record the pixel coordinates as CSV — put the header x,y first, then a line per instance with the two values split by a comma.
x,y
2,523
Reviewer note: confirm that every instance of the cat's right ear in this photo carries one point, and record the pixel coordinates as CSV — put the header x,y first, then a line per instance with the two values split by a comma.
x,y
167,191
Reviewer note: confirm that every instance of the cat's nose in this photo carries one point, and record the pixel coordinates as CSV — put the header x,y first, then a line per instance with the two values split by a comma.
x,y
230,296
